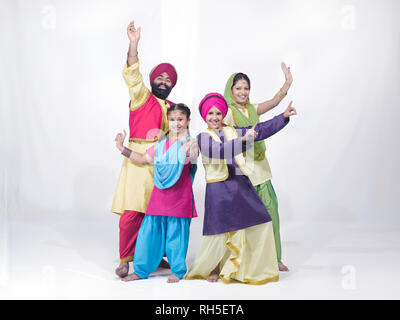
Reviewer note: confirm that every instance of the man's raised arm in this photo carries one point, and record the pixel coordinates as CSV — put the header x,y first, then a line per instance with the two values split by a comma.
x,y
134,37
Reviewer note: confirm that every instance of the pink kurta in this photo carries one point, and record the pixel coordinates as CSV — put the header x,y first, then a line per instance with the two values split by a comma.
x,y
177,201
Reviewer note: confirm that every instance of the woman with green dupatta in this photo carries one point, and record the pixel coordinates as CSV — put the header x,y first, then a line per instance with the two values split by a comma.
x,y
242,113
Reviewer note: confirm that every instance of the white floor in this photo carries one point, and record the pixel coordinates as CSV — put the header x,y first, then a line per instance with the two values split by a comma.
x,y
76,260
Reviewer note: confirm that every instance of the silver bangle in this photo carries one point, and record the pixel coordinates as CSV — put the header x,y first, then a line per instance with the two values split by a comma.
x,y
132,56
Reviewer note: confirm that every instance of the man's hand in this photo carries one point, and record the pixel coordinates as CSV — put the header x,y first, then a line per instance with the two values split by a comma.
x,y
133,33
134,37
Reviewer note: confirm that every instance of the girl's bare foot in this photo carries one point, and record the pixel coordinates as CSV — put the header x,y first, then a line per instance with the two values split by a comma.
x,y
122,270
173,278
282,267
214,276
131,277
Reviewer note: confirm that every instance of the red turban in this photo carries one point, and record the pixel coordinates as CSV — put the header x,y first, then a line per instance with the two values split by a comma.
x,y
164,67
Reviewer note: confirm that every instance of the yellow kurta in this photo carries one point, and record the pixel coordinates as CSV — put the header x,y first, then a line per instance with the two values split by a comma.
x,y
135,182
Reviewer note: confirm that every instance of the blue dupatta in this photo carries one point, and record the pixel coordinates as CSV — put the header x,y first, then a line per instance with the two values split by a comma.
x,y
168,165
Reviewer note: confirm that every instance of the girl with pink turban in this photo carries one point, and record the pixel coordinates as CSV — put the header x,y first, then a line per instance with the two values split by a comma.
x,y
238,241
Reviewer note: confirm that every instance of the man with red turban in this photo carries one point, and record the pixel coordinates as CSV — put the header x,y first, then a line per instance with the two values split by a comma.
x,y
147,119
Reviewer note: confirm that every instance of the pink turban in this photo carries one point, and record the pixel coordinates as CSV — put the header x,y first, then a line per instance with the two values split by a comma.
x,y
164,67
213,100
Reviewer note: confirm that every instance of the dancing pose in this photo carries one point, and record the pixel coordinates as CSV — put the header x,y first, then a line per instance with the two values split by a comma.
x,y
147,117
165,228
241,113
238,242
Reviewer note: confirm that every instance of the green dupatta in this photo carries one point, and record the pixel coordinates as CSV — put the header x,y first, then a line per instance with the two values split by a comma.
x,y
241,120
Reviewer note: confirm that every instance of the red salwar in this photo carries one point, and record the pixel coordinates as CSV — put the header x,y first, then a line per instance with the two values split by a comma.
x,y
129,225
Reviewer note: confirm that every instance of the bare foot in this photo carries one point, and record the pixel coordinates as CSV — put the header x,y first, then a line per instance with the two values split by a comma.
x,y
282,267
164,264
214,276
131,277
173,278
122,270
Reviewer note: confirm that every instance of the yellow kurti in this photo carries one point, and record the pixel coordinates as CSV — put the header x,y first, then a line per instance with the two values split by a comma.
x,y
261,171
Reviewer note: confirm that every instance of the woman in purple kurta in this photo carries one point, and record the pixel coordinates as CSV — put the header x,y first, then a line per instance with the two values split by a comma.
x,y
235,218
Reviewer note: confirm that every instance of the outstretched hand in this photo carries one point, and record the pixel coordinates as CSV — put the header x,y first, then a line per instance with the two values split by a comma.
x,y
290,111
133,33
250,134
119,140
287,73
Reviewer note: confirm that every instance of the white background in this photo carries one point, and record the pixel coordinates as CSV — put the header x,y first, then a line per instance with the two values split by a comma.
x,y
334,167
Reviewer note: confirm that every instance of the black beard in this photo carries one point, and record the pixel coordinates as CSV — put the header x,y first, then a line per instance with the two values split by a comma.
x,y
160,93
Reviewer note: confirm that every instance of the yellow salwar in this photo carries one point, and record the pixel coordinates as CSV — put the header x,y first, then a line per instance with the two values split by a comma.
x,y
241,256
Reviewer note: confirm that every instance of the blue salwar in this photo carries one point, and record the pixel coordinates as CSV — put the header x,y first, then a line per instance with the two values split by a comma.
x,y
159,235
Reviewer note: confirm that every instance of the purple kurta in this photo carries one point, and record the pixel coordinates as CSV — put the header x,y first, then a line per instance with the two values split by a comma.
x,y
234,204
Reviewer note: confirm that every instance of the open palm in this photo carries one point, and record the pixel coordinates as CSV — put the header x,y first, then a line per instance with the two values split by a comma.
x,y
133,33
287,73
